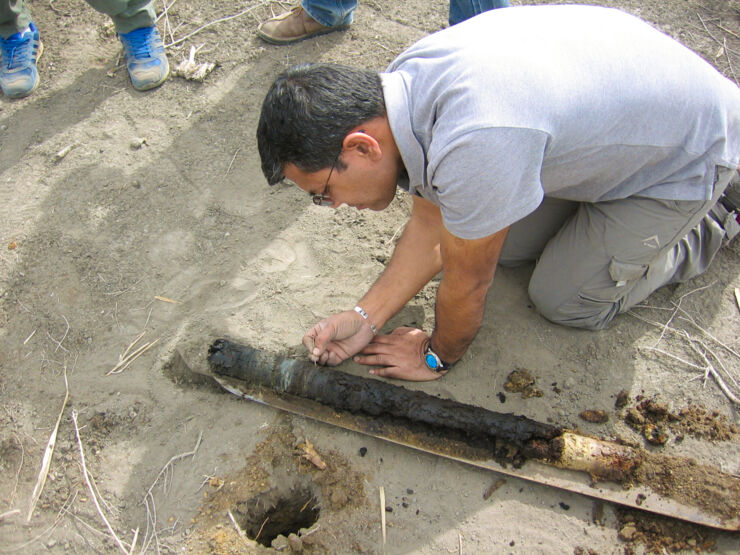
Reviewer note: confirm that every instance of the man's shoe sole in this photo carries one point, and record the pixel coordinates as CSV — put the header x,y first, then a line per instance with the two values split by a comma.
x,y
151,86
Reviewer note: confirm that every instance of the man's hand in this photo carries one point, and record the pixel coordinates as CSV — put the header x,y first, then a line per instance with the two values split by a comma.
x,y
338,337
401,354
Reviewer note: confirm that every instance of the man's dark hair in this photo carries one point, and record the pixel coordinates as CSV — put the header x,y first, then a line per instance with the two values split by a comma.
x,y
308,111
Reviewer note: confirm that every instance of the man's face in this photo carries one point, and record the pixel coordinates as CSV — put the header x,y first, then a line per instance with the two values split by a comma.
x,y
363,183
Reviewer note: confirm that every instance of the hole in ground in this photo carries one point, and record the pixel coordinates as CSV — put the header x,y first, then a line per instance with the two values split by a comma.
x,y
279,511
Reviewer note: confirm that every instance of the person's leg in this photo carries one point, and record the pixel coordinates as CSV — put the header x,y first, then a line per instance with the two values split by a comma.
x,y
527,238
612,255
460,10
312,18
135,23
331,13
14,17
20,49
127,15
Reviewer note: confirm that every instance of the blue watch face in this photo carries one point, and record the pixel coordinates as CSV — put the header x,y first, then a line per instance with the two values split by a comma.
x,y
431,361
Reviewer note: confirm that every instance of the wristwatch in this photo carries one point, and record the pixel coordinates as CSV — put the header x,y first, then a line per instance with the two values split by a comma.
x,y
433,362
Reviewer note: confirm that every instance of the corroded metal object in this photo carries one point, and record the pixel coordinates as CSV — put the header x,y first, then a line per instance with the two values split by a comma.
x,y
508,444
372,397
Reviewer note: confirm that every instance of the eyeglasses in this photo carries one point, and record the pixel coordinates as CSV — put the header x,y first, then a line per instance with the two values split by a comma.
x,y
323,198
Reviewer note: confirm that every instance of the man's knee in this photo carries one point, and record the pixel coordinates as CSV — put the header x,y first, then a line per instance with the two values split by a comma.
x,y
577,312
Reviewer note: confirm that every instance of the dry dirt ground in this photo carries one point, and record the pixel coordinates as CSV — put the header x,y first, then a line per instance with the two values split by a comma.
x,y
126,213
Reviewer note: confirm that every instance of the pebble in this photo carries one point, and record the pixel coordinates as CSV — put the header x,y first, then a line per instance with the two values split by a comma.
x,y
296,544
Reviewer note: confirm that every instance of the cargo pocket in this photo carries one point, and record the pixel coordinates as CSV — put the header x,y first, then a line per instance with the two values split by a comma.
x,y
625,272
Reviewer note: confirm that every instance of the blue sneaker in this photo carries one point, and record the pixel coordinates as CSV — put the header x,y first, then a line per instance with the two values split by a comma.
x,y
145,58
20,51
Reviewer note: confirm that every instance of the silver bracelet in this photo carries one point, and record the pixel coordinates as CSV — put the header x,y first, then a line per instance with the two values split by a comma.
x,y
362,313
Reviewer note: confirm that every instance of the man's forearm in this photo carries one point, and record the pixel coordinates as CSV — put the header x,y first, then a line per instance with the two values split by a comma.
x,y
469,267
416,259
458,316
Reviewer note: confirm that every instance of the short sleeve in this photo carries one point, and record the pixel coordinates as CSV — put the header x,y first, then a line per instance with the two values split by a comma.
x,y
487,179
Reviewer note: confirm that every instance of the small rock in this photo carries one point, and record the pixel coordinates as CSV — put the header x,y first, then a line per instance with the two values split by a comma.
x,y
628,532
137,142
295,543
654,434
564,506
280,543
363,451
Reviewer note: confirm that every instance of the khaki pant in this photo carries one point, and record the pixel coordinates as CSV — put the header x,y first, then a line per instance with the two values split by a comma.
x,y
595,260
127,15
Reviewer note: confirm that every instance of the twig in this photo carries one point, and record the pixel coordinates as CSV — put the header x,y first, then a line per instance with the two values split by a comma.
x,y
136,532
62,511
59,343
674,357
729,61
389,241
232,162
166,300
151,509
48,452
7,514
709,32
86,477
29,337
707,369
227,18
20,467
382,512
261,527
166,7
125,361
691,320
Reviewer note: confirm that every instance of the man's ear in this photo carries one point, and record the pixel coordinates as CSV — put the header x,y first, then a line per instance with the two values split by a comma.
x,y
362,144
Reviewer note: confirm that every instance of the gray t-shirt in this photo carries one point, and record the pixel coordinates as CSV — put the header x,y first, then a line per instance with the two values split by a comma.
x,y
574,102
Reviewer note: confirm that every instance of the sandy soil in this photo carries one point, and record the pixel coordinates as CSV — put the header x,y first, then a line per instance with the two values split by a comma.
x,y
159,198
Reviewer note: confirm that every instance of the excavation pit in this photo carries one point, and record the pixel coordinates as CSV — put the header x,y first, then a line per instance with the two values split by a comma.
x,y
277,512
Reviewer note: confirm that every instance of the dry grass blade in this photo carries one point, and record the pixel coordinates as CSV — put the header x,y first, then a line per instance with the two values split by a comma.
x,y
151,508
48,452
382,513
86,478
127,358
221,20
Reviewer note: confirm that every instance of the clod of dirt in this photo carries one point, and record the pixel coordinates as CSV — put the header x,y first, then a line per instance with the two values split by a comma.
x,y
623,399
594,416
655,421
661,534
634,418
654,434
521,381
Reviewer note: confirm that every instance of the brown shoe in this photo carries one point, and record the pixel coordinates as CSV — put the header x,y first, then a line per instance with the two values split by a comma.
x,y
293,26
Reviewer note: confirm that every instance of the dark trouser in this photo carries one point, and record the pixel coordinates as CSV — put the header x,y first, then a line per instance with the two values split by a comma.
x,y
596,260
